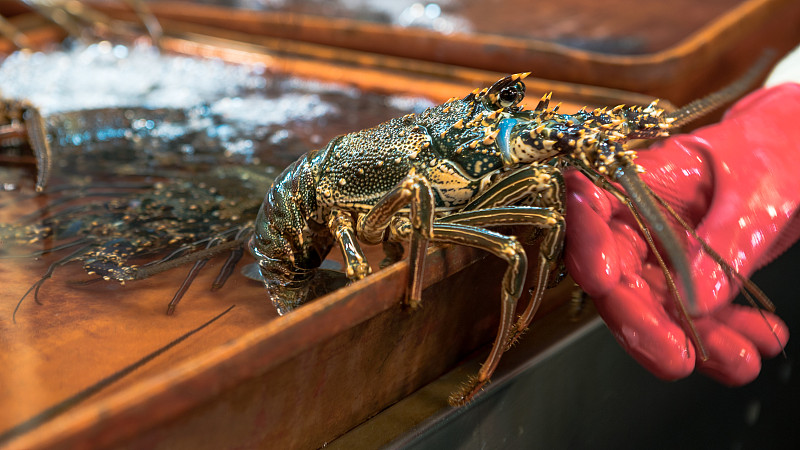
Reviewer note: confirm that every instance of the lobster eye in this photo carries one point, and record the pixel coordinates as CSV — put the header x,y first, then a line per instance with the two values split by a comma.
x,y
509,95
505,93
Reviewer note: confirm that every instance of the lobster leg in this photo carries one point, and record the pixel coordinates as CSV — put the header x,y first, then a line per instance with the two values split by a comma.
x,y
550,247
233,259
193,272
536,186
342,227
414,190
462,229
509,249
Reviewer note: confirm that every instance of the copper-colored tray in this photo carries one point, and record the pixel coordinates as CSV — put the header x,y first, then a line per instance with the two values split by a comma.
x,y
252,377
678,51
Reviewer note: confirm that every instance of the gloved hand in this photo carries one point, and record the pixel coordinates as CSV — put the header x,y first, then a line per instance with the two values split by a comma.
x,y
736,182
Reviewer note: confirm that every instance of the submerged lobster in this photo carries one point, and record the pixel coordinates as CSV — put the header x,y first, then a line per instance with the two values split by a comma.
x,y
448,173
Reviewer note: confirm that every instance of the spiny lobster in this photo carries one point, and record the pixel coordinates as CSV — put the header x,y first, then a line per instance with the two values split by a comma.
x,y
445,175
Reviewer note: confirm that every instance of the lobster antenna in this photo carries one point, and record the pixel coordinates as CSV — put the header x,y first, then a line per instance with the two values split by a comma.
x,y
633,200
74,256
695,336
47,251
751,292
705,105
639,195
751,287
142,272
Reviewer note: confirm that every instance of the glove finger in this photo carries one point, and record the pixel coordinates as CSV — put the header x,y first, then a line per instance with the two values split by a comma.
x,y
646,331
591,254
766,330
630,245
710,283
732,358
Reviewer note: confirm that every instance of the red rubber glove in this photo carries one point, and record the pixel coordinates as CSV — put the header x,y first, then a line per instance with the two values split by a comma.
x,y
736,182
